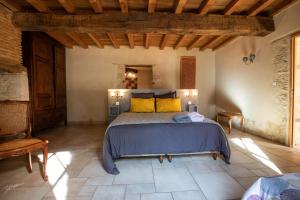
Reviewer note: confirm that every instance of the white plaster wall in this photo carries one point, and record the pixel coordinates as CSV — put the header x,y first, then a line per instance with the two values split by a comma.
x,y
250,88
91,72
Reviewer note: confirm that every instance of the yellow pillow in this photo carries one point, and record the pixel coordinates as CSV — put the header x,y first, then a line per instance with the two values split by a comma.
x,y
142,105
168,105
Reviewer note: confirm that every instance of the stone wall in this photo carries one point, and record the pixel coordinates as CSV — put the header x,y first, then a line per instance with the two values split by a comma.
x,y
281,71
13,76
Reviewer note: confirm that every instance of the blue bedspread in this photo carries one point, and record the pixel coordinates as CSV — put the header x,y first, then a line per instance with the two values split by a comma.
x,y
157,133
281,187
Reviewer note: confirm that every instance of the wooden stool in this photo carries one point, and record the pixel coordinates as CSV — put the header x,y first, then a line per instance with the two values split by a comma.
x,y
229,116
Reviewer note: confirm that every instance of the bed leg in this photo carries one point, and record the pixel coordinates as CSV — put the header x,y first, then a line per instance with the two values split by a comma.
x,y
161,159
170,157
215,155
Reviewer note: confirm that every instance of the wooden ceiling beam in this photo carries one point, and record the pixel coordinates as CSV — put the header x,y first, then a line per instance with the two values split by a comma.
x,y
179,41
283,5
96,5
95,40
113,40
207,44
205,6
39,5
224,43
163,41
11,5
61,38
142,22
148,40
130,40
229,9
195,42
213,42
68,5
77,39
259,6
180,6
123,6
151,6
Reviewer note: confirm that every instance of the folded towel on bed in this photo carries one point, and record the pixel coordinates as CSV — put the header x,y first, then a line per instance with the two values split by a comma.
x,y
188,117
182,118
196,117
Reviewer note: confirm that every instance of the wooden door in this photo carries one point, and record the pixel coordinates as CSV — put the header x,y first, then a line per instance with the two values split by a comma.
x,y
296,92
43,75
60,77
188,72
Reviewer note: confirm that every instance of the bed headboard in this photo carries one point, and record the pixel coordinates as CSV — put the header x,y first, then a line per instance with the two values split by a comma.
x,y
124,95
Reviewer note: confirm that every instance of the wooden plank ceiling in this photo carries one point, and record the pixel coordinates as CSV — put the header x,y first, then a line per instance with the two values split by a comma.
x,y
202,24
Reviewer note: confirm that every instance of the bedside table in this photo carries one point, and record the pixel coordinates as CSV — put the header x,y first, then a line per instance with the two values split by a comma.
x,y
114,111
192,108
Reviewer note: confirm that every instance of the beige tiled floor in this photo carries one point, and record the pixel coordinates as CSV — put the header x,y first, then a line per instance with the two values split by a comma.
x,y
75,170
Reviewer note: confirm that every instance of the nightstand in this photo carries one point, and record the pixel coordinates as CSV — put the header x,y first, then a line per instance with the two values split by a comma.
x,y
192,108
114,111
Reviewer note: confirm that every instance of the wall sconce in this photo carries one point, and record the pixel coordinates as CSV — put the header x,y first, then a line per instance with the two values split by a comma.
x,y
250,59
194,93
118,94
190,93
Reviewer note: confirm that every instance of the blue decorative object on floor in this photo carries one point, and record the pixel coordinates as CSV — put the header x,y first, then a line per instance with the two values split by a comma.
x,y
290,194
254,197
298,175
295,183
273,186
279,187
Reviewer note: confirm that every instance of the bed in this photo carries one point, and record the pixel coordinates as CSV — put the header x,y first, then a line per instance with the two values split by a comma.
x,y
137,134
283,187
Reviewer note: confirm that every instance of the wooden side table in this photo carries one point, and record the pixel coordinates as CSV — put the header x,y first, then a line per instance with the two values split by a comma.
x,y
192,108
114,111
229,116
